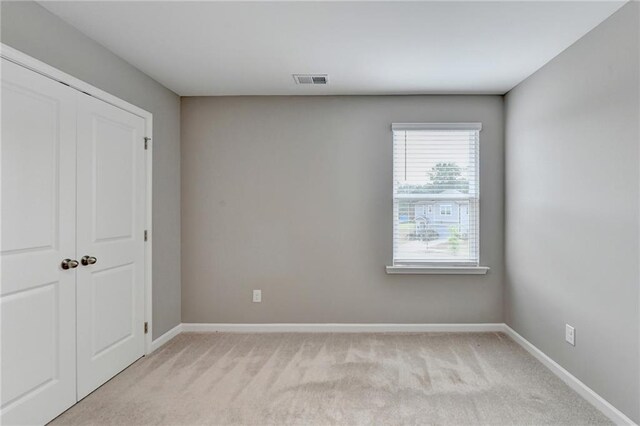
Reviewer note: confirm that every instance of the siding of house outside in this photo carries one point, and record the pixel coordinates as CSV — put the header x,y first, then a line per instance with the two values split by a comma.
x,y
430,214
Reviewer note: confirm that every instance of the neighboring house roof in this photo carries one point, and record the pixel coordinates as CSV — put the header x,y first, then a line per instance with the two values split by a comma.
x,y
449,194
440,202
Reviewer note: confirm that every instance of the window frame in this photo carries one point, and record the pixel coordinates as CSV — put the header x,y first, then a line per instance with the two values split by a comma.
x,y
430,266
448,211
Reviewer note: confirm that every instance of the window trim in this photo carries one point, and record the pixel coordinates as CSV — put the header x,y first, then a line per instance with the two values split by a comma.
x,y
435,126
441,267
436,270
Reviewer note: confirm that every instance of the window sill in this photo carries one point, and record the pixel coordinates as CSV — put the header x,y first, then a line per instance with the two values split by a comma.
x,y
438,270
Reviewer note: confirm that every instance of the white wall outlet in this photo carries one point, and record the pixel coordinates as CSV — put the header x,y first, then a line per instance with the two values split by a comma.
x,y
570,335
257,296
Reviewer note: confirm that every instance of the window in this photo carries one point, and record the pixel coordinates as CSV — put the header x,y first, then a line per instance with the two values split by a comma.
x,y
436,163
445,210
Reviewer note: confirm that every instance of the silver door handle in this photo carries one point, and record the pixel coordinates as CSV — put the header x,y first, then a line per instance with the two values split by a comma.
x,y
88,260
69,264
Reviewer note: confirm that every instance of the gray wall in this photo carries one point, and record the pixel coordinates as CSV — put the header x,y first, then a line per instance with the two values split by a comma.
x,y
30,28
292,195
572,186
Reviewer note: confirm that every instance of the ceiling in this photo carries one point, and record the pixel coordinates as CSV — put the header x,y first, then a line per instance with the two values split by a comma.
x,y
253,48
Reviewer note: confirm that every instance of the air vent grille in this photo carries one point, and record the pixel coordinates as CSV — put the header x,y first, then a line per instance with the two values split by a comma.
x,y
311,78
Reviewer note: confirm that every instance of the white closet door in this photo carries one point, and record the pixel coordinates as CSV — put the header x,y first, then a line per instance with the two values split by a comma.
x,y
110,229
37,296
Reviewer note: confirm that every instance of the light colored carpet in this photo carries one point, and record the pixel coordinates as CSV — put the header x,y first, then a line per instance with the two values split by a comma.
x,y
325,379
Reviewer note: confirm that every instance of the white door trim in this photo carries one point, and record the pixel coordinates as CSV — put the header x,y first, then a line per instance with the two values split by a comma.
x,y
40,67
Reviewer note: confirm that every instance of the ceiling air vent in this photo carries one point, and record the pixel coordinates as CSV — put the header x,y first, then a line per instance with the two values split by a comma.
x,y
311,78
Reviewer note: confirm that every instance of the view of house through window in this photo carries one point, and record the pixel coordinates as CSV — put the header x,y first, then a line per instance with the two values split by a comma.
x,y
435,193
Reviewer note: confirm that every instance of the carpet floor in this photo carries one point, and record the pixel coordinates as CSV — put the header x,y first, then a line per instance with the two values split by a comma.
x,y
328,379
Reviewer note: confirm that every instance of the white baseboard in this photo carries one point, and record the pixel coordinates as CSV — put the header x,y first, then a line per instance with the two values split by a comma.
x,y
341,328
165,338
573,382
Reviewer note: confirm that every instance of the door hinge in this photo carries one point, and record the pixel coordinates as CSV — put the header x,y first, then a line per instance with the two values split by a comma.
x,y
146,142
146,327
146,235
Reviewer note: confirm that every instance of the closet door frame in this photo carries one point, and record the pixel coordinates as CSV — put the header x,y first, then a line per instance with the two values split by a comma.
x,y
40,67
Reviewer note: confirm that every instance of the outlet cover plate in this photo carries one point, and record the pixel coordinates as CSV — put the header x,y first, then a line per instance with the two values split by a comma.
x,y
570,335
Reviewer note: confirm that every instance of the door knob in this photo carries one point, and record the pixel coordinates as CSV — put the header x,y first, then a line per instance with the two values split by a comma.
x,y
88,260
69,264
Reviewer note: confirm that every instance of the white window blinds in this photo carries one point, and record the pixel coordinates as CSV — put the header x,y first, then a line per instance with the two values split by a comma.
x,y
436,194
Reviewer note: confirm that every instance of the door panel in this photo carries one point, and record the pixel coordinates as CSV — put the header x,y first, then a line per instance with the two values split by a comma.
x,y
39,351
113,287
110,226
37,297
114,179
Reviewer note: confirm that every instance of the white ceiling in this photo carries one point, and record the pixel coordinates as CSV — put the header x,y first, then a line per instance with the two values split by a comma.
x,y
252,48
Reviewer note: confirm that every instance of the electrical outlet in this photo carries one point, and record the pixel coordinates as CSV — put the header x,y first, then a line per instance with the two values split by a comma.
x,y
570,335
257,296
